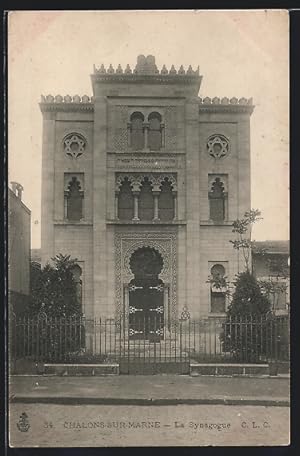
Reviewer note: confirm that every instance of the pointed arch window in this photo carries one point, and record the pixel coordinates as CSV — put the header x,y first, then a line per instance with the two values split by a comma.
x,y
217,295
166,201
74,200
125,201
155,131
217,198
137,131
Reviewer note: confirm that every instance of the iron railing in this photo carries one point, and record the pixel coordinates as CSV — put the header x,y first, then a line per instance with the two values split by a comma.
x,y
148,340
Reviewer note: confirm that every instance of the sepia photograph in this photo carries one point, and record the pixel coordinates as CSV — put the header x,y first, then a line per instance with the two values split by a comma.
x,y
148,228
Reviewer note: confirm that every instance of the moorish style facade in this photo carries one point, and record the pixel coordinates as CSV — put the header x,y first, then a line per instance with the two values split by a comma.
x,y
141,183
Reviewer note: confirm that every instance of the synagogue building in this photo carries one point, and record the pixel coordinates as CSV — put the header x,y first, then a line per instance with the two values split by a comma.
x,y
141,183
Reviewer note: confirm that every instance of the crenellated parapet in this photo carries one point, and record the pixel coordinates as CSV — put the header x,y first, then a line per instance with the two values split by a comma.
x,y
226,104
66,103
147,71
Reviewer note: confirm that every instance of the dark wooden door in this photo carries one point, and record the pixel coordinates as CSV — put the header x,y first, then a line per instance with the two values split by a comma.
x,y
146,309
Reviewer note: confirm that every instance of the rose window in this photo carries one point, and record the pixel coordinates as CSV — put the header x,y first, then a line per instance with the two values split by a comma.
x,y
218,146
74,145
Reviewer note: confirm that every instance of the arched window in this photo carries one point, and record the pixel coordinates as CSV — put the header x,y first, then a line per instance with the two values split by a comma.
x,y
217,201
74,197
137,131
146,201
217,295
155,131
166,201
77,274
125,201
217,271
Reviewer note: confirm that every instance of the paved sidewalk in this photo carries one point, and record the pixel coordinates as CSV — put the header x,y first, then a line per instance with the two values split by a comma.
x,y
150,390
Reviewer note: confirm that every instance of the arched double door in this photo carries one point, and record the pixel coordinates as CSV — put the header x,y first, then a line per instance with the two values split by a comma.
x,y
146,296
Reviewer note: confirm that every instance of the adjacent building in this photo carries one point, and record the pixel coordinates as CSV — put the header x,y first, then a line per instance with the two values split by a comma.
x,y
18,250
141,183
271,264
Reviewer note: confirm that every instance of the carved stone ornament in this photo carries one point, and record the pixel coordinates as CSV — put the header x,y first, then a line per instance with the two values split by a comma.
x,y
126,243
156,180
218,146
74,145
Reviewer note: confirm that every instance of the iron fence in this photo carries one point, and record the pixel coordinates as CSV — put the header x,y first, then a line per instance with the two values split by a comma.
x,y
149,340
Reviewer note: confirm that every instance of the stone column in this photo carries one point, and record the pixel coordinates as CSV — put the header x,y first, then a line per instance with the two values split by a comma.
x,y
116,205
129,134
162,135
66,205
155,196
136,205
146,128
175,205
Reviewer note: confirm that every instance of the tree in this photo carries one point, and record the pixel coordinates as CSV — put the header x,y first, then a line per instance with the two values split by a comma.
x,y
53,289
246,328
243,229
248,298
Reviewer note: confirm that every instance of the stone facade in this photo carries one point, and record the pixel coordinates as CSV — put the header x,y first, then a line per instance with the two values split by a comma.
x,y
203,143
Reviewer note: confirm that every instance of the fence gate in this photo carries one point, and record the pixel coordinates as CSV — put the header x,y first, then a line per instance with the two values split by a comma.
x,y
149,347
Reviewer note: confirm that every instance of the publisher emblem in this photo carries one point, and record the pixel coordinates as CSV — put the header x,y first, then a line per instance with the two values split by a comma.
x,y
23,423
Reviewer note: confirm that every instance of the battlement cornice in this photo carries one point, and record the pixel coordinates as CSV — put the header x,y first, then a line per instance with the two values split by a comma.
x,y
225,104
146,71
66,103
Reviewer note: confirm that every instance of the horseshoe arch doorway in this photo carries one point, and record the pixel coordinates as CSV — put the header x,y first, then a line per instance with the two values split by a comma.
x,y
146,295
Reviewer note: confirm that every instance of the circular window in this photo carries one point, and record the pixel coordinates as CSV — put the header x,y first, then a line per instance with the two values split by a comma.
x,y
74,145
218,146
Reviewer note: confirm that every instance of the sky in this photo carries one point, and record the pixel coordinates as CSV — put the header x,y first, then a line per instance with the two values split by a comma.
x,y
240,53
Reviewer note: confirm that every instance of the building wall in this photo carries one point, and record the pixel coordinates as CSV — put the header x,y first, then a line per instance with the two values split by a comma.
x,y
18,252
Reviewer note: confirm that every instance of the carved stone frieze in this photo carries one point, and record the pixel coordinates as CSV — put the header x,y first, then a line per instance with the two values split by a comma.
x,y
130,162
136,180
